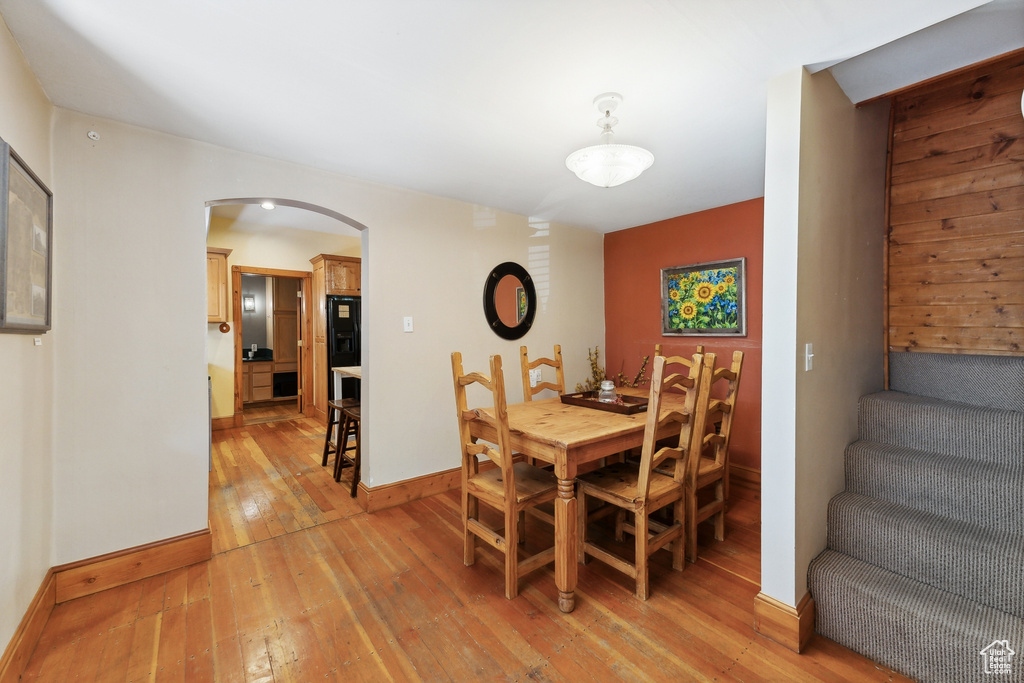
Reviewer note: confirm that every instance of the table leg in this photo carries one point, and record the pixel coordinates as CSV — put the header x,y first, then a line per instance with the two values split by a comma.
x,y
565,544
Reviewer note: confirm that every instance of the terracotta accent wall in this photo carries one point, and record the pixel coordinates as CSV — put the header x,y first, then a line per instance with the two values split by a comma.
x,y
633,260
956,216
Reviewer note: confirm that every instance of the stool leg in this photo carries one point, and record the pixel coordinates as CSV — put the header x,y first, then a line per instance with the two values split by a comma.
x,y
331,422
356,464
339,458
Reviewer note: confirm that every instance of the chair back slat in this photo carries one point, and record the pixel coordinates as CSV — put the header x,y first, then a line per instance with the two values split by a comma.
x,y
692,412
723,410
500,451
526,365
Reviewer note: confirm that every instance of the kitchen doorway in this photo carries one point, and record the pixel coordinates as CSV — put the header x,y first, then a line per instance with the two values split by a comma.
x,y
273,324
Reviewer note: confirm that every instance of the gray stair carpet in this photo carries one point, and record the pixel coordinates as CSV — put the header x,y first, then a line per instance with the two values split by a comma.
x,y
924,570
969,491
993,381
980,564
911,627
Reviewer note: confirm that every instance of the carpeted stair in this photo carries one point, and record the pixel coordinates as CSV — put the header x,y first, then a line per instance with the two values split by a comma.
x,y
925,561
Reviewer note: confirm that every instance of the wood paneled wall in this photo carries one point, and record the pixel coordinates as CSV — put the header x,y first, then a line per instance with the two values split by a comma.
x,y
956,213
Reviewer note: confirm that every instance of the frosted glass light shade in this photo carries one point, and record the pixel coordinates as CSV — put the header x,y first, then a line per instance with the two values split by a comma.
x,y
609,165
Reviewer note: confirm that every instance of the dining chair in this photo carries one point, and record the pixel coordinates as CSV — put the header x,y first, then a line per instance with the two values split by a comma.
x,y
710,466
640,489
510,487
558,386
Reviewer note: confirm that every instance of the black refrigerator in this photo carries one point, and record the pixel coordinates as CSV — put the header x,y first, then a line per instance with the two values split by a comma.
x,y
343,330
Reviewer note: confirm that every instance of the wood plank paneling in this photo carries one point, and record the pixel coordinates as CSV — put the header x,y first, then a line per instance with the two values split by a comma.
x,y
955,255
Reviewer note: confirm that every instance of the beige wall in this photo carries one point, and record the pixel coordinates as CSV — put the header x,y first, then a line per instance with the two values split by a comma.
x,y
26,400
824,225
262,247
131,441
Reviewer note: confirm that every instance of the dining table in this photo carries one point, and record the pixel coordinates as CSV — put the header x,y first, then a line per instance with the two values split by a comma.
x,y
568,436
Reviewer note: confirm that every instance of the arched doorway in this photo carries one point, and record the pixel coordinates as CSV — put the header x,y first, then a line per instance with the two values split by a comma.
x,y
270,247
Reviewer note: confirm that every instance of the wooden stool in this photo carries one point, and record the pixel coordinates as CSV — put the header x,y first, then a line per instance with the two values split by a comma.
x,y
349,427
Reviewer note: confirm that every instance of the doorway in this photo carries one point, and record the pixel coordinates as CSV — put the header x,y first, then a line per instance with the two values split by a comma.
x,y
272,371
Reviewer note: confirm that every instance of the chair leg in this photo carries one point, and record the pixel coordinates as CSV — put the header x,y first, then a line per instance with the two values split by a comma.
x,y
511,553
678,546
691,526
720,515
357,465
643,589
581,526
620,519
470,509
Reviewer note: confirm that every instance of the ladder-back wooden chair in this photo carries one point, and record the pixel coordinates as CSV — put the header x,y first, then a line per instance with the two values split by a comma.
x,y
710,466
638,488
527,365
509,487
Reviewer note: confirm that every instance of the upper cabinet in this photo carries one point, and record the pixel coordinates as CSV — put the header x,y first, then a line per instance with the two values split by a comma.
x,y
342,274
217,299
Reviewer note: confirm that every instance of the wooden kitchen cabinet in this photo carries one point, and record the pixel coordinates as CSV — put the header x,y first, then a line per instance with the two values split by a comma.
x,y
257,381
332,275
218,301
342,274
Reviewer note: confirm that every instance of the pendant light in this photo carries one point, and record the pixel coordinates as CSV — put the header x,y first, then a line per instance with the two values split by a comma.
x,y
608,164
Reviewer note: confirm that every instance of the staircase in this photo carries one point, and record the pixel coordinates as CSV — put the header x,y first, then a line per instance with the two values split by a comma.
x,y
925,561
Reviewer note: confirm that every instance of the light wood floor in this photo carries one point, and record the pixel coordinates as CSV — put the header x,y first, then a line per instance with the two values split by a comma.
x,y
304,586
270,411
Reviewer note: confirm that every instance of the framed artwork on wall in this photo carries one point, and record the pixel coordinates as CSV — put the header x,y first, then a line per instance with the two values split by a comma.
x,y
704,299
26,236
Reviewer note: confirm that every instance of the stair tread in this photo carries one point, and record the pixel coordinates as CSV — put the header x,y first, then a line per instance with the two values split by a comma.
x,y
976,562
948,485
921,631
946,427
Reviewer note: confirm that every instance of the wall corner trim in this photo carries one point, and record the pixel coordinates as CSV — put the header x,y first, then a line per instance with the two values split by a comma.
x,y
792,627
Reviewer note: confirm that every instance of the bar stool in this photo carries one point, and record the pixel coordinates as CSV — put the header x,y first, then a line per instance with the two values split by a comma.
x,y
349,427
334,409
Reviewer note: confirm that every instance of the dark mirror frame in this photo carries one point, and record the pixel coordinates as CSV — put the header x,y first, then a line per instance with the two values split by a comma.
x,y
491,311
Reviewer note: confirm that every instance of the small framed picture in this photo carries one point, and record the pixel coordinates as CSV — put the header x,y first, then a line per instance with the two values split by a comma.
x,y
704,299
26,246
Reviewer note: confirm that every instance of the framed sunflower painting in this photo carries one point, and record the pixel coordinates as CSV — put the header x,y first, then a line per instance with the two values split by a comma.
x,y
704,299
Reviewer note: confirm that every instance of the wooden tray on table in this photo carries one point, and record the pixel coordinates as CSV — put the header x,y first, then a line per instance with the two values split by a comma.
x,y
625,404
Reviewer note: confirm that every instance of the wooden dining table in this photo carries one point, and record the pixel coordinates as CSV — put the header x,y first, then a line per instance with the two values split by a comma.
x,y
568,436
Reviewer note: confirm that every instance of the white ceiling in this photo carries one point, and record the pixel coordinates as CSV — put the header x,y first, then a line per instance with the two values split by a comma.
x,y
482,100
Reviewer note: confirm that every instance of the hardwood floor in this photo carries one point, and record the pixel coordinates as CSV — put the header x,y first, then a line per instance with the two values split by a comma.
x,y
305,586
270,411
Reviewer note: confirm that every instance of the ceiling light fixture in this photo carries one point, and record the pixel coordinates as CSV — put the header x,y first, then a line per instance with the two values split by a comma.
x,y
608,164
268,205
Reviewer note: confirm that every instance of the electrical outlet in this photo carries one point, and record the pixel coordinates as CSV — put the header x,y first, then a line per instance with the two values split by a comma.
x,y
535,377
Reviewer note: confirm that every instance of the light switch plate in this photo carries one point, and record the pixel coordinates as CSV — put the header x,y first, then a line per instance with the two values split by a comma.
x,y
808,357
407,323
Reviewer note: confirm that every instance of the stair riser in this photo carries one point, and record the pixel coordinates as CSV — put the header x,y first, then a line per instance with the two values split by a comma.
x,y
952,556
984,434
924,633
979,493
996,381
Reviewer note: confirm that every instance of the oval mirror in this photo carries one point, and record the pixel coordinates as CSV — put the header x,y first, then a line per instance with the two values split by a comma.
x,y
510,300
